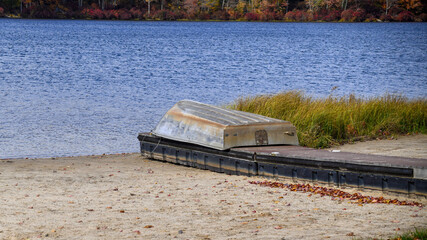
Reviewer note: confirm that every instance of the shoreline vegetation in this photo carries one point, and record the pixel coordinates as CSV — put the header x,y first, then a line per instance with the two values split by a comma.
x,y
221,10
329,121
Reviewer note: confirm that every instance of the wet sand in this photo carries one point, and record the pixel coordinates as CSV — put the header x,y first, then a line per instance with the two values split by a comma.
x,y
126,196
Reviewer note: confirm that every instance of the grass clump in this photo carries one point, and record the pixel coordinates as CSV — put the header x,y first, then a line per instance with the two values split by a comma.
x,y
336,120
418,234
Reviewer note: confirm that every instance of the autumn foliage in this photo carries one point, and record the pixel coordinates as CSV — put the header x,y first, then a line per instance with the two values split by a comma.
x,y
241,10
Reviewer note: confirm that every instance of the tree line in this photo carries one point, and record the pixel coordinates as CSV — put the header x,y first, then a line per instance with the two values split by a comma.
x,y
245,10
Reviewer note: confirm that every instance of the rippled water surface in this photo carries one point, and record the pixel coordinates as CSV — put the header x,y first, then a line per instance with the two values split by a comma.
x,y
89,87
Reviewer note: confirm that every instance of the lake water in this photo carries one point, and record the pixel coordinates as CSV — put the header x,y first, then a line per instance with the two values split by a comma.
x,y
89,87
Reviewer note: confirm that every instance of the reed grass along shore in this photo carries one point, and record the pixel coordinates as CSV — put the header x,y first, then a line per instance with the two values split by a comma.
x,y
323,122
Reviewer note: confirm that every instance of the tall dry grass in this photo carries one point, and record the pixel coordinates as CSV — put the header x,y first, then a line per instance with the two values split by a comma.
x,y
336,120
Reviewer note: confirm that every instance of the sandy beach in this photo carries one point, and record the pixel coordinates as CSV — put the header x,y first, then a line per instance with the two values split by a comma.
x,y
126,196
414,146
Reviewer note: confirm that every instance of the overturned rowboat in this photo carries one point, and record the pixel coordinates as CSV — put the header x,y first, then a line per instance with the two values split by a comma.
x,y
234,142
219,128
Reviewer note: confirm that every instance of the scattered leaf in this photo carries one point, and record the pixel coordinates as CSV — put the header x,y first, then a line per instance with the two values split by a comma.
x,y
149,226
336,194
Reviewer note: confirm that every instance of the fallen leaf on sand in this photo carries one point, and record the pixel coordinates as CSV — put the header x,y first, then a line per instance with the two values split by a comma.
x,y
336,194
149,226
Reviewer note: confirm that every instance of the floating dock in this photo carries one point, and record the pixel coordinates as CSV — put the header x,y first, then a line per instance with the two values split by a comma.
x,y
261,157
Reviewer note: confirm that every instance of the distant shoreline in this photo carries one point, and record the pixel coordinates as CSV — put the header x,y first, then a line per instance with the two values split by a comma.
x,y
377,20
199,10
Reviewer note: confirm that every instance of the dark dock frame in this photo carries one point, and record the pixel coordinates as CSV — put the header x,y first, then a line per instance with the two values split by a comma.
x,y
388,174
